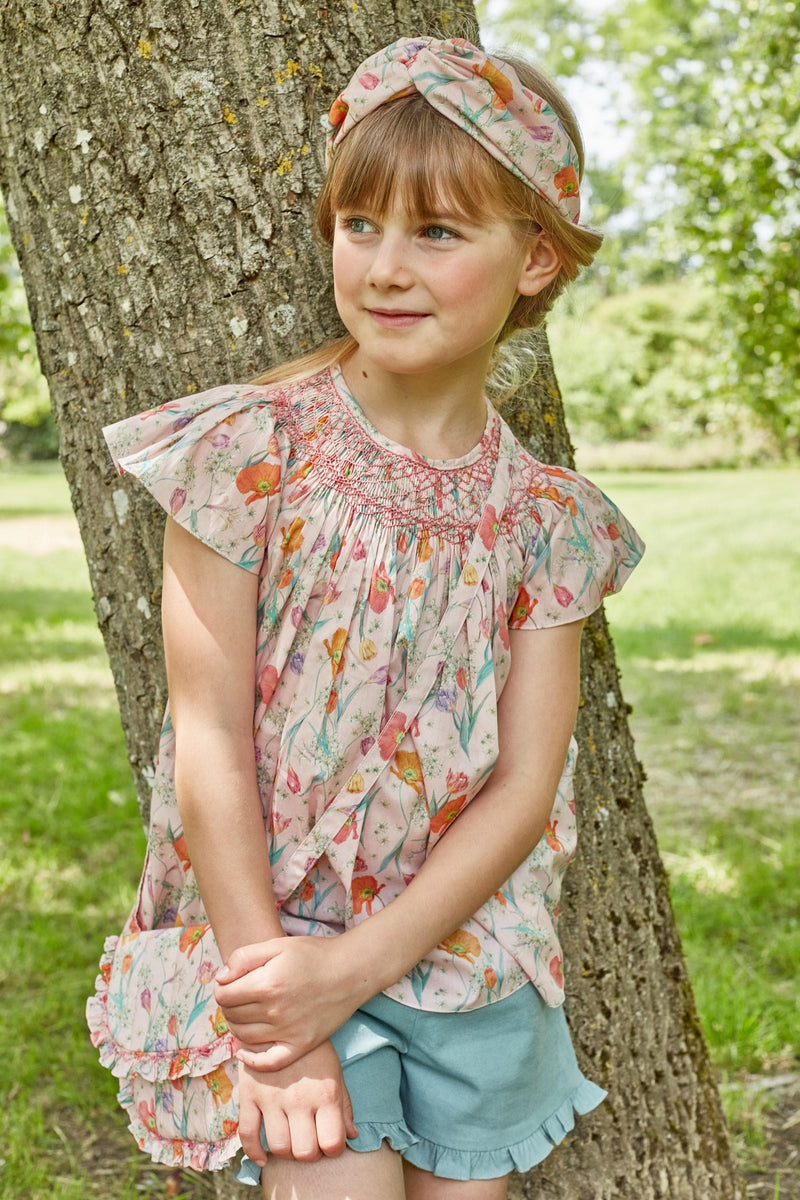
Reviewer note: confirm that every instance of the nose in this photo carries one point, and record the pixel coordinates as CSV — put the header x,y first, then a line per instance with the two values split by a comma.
x,y
390,263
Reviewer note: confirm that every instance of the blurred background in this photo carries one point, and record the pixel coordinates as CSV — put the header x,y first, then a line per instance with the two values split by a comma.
x,y
678,357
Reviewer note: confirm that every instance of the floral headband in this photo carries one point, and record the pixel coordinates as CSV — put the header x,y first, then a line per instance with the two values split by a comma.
x,y
483,96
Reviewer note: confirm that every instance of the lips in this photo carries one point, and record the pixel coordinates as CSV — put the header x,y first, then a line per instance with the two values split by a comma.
x,y
396,318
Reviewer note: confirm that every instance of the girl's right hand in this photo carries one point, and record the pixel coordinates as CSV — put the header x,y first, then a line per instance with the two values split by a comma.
x,y
305,1108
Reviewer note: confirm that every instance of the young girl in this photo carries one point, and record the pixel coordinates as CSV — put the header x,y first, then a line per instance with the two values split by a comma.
x,y
373,599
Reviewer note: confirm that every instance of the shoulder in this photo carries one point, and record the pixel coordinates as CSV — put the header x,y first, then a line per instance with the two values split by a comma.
x,y
216,461
223,417
578,546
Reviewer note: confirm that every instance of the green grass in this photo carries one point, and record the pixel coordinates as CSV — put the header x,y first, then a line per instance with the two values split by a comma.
x,y
707,637
709,642
71,847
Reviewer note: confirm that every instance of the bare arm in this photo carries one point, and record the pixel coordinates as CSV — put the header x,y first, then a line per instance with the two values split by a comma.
x,y
209,620
482,847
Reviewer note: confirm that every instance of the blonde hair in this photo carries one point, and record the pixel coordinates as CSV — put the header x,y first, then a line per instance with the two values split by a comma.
x,y
407,152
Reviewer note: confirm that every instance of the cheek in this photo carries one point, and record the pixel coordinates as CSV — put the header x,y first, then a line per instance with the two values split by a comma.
x,y
342,264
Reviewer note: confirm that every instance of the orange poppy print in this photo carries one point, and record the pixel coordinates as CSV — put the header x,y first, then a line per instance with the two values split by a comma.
x,y
260,480
218,1023
292,538
489,526
523,607
566,181
392,734
501,84
179,846
301,472
191,937
381,590
349,829
462,944
219,1084
335,648
178,1064
366,890
147,1114
408,769
447,813
552,840
267,683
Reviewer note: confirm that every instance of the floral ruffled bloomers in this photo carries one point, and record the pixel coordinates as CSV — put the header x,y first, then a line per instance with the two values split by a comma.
x,y
358,543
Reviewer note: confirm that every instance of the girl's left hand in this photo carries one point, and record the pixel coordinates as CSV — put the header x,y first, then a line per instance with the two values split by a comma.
x,y
283,997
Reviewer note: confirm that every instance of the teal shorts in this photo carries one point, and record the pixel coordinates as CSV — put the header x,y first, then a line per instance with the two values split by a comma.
x,y
470,1095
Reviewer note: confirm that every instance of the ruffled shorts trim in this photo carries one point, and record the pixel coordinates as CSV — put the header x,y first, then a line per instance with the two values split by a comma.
x,y
493,1089
448,1162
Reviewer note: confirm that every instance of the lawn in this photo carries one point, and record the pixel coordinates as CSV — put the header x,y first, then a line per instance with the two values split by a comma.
x,y
707,636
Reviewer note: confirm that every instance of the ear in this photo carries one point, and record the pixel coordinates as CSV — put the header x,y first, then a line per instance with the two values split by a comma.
x,y
540,267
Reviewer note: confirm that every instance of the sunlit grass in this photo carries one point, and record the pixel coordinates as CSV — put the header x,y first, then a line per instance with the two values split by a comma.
x,y
708,637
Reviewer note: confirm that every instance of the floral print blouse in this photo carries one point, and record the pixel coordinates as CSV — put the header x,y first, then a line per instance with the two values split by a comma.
x,y
358,543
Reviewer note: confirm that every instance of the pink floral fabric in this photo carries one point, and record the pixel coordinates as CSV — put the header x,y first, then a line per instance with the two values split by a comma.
x,y
358,544
484,96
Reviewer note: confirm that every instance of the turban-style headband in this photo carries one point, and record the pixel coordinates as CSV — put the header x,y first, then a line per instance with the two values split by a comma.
x,y
483,96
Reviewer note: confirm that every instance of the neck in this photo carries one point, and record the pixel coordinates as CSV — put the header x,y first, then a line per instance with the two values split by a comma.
x,y
440,414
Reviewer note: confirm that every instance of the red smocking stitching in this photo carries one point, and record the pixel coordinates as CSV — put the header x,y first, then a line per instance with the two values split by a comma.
x,y
400,489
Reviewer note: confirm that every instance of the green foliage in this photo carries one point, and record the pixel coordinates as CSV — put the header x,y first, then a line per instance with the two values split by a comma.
x,y
710,90
643,369
27,428
717,88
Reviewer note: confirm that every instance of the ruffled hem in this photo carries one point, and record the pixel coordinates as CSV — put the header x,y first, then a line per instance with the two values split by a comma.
x,y
177,1152
152,1065
450,1163
370,1136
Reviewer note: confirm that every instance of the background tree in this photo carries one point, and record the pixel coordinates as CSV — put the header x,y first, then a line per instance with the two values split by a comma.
x,y
701,160
717,114
26,422
159,164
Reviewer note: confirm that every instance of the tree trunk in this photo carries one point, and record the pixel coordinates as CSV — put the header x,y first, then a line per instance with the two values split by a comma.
x,y
159,162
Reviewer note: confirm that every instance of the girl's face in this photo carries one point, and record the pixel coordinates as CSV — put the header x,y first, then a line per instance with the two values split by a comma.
x,y
422,295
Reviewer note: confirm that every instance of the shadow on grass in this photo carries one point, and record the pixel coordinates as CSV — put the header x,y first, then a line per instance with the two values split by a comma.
x,y
46,624
735,897
678,640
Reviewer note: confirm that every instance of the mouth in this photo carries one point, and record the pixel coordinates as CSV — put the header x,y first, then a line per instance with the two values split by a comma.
x,y
392,318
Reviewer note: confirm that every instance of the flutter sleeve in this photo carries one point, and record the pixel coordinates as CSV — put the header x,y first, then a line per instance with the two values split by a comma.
x,y
581,549
213,462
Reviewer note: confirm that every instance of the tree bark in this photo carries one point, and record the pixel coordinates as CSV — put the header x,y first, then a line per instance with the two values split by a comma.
x,y
159,162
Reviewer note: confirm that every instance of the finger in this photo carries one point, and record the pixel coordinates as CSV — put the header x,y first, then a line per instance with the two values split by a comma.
x,y
276,1128
273,1058
303,1128
258,1036
247,990
247,958
330,1130
244,1008
250,1134
347,1107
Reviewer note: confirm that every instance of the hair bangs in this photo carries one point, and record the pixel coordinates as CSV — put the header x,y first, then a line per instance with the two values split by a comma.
x,y
408,154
